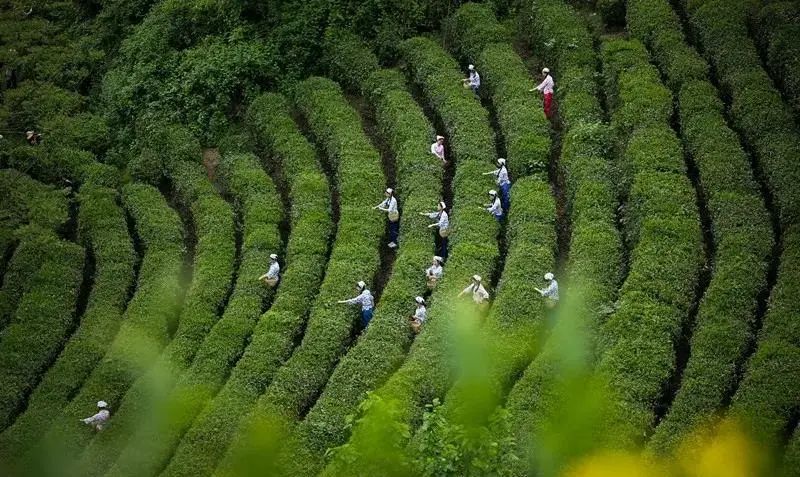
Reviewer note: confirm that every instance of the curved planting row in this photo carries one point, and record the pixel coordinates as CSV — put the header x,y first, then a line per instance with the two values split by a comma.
x,y
756,106
594,270
740,226
143,332
354,257
103,228
259,206
384,345
27,201
55,164
791,459
515,324
274,336
663,228
426,373
212,273
778,36
769,392
45,314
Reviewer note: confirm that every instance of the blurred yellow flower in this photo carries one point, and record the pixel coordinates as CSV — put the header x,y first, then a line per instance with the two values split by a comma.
x,y
616,464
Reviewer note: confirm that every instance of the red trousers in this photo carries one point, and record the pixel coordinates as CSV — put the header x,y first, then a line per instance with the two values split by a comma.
x,y
548,104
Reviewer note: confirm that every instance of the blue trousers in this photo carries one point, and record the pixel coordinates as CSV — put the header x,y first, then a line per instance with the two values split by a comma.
x,y
443,247
366,316
394,231
499,217
505,196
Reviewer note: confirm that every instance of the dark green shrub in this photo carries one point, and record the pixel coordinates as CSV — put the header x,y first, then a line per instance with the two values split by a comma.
x,y
259,206
143,332
103,228
40,324
299,381
212,272
274,335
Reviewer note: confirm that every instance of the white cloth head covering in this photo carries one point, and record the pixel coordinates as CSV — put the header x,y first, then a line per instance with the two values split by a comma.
x,y
545,70
389,190
442,204
102,404
471,67
548,276
501,161
477,278
420,300
361,285
273,256
437,258
439,138
492,192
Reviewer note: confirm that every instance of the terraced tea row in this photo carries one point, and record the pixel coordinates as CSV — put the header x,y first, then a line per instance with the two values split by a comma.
x,y
595,266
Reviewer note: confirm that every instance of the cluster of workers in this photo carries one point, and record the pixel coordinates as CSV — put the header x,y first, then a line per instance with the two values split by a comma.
x,y
498,205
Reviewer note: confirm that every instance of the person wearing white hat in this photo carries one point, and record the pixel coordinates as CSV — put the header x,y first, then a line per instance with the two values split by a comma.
x,y
503,182
551,292
364,298
434,272
32,137
389,205
494,207
273,274
546,87
419,314
474,80
479,294
100,418
443,224
437,149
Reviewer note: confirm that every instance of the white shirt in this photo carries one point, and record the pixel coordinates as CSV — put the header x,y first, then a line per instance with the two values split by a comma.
x,y
551,290
479,294
443,221
420,314
388,205
438,150
274,269
547,85
435,270
99,418
474,78
496,208
502,176
364,299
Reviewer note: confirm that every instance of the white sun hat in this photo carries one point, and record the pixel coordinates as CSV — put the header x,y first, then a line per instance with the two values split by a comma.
x,y
439,138
441,203
501,161
273,256
420,300
471,67
477,278
545,70
102,404
389,190
437,258
362,285
492,192
548,276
